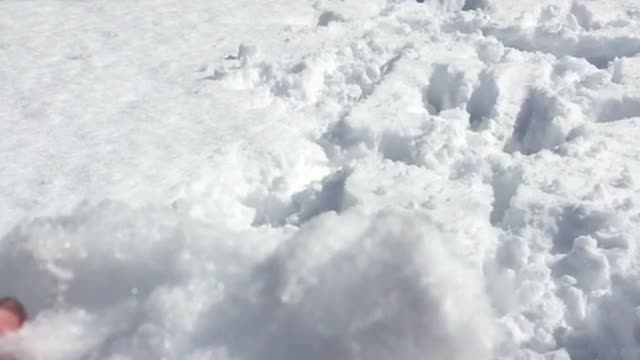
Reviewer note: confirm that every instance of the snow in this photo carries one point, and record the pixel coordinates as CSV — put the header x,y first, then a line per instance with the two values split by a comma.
x,y
321,179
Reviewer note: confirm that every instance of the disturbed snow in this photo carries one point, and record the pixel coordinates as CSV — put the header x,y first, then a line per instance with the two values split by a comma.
x,y
299,179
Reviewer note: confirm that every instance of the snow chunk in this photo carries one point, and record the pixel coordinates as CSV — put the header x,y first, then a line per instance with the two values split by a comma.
x,y
586,264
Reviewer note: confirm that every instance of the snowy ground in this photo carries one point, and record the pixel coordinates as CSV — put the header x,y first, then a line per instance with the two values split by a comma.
x,y
321,179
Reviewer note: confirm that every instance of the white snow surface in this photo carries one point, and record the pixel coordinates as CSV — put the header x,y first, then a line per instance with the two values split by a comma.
x,y
321,179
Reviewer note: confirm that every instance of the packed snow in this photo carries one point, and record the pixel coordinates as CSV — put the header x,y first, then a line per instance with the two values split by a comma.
x,y
321,179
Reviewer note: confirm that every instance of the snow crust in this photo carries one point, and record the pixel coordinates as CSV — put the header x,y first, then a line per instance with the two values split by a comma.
x,y
298,179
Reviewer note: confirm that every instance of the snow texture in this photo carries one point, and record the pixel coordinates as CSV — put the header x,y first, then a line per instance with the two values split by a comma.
x,y
321,179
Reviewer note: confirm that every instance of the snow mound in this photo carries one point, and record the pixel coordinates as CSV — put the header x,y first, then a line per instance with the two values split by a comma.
x,y
134,282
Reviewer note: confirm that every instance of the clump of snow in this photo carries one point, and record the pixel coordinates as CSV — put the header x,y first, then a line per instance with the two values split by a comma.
x,y
586,264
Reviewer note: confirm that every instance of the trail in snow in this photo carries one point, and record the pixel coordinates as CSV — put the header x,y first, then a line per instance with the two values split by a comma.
x,y
324,179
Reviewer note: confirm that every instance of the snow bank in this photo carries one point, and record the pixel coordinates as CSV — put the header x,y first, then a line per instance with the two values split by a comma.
x,y
133,284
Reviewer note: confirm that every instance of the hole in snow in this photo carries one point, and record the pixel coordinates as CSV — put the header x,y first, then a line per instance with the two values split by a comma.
x,y
600,61
583,16
328,17
445,91
318,198
505,186
341,137
474,5
483,100
536,128
397,148
332,196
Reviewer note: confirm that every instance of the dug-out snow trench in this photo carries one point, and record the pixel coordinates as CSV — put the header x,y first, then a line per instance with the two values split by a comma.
x,y
599,51
398,148
619,109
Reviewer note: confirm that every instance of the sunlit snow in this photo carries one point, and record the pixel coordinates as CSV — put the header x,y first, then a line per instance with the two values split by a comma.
x,y
321,179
